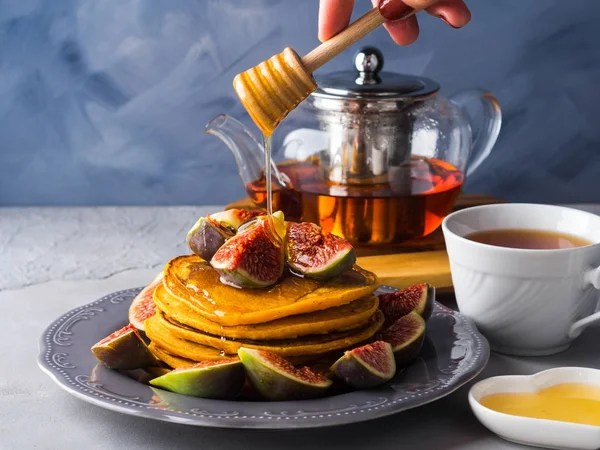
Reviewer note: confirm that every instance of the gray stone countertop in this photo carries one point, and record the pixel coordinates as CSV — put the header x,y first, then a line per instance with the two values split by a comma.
x,y
55,259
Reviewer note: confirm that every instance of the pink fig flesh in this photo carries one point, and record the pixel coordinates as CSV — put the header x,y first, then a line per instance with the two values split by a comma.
x,y
394,305
315,254
367,366
209,233
251,259
276,379
142,307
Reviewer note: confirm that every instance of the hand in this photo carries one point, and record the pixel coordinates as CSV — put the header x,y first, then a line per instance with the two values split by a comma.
x,y
334,16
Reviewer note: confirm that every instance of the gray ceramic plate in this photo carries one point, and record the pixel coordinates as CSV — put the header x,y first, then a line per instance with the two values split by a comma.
x,y
454,353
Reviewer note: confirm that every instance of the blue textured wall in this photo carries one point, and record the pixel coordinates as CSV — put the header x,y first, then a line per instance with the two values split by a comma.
x,y
104,102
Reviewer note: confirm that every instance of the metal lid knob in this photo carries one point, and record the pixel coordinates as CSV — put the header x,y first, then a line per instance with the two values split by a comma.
x,y
372,84
368,61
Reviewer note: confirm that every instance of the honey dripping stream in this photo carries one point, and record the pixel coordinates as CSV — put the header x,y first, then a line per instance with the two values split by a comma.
x,y
269,190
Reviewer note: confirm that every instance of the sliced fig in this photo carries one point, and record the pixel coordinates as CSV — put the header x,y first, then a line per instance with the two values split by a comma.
x,y
233,219
406,337
124,349
276,379
209,379
142,307
206,237
418,298
315,254
252,258
209,233
367,366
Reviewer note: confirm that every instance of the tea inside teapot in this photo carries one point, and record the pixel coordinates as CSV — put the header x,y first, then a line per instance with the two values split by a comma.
x,y
421,194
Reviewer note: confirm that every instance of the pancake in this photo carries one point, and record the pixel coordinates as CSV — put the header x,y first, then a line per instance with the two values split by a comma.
x,y
174,337
341,318
193,280
165,340
177,362
174,361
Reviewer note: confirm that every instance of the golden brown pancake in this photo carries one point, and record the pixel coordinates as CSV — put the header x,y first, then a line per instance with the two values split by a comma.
x,y
193,280
174,361
341,318
177,362
165,340
192,344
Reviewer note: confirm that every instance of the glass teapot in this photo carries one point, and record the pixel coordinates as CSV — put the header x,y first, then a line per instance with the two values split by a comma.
x,y
379,157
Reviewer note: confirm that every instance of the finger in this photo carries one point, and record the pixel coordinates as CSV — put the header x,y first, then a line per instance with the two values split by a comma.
x,y
416,4
334,16
454,12
399,9
403,32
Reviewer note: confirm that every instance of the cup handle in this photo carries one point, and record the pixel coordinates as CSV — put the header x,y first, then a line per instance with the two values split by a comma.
x,y
592,276
485,127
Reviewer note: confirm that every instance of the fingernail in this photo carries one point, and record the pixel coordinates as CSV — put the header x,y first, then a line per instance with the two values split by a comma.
x,y
394,9
443,19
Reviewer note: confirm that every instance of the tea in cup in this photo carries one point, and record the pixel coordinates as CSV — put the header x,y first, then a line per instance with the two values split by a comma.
x,y
528,275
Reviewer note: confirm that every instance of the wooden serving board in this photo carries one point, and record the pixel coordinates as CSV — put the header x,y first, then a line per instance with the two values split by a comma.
x,y
424,260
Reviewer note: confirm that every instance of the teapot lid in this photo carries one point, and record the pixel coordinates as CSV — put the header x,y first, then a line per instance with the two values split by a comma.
x,y
368,82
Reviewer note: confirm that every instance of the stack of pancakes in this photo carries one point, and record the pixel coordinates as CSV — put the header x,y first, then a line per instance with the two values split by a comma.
x,y
199,318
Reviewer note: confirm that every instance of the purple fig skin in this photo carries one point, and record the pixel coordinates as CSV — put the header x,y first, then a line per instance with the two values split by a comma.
x,y
428,310
406,336
276,379
124,349
356,371
206,238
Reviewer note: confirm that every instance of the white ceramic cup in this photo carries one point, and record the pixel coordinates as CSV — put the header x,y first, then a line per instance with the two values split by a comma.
x,y
525,302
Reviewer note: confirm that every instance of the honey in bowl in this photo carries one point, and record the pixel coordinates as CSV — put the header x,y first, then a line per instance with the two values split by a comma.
x,y
567,402
528,239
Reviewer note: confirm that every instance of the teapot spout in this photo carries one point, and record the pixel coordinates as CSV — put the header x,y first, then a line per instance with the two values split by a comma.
x,y
249,153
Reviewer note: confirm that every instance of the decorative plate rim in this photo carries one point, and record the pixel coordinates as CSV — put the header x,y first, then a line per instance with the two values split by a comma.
x,y
275,415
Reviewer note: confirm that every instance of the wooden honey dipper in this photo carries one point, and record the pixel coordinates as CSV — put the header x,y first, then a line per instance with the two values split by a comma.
x,y
271,90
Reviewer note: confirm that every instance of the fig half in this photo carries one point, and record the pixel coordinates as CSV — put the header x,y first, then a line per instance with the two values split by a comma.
x,y
142,306
124,349
406,337
233,219
276,379
209,379
253,258
367,366
394,305
206,237
209,233
315,254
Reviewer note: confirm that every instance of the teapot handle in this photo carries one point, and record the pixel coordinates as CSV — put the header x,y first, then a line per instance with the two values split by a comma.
x,y
485,129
